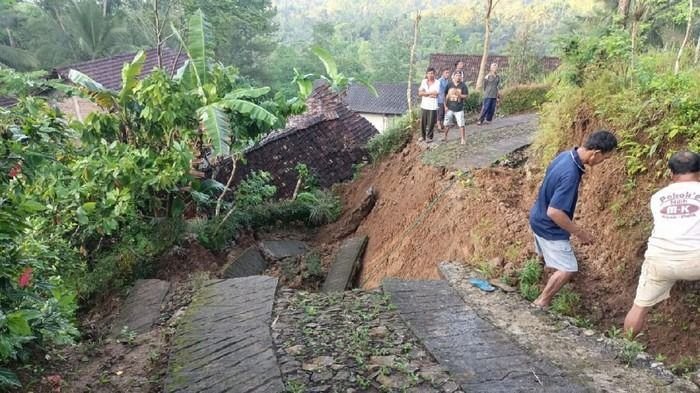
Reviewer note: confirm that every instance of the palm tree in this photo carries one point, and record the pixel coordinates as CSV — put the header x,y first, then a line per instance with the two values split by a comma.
x,y
93,33
11,55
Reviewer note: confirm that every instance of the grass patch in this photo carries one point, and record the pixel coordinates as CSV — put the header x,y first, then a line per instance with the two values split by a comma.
x,y
392,140
687,364
630,350
566,302
530,276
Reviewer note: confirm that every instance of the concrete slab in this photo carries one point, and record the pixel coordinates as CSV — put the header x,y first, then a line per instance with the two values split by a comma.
x,y
280,249
250,263
223,343
346,265
141,309
479,356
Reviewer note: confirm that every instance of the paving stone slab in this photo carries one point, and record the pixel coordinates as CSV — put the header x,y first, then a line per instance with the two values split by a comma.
x,y
223,343
280,249
141,309
346,265
485,144
477,355
250,263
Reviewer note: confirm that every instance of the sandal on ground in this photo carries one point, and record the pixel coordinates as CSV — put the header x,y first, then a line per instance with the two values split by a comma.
x,y
482,284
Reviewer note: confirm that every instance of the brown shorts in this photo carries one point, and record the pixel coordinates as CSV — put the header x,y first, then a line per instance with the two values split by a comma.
x,y
659,275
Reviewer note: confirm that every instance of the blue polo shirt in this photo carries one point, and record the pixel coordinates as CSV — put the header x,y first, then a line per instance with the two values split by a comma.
x,y
443,90
559,190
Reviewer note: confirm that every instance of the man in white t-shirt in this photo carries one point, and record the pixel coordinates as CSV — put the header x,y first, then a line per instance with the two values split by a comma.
x,y
428,90
673,251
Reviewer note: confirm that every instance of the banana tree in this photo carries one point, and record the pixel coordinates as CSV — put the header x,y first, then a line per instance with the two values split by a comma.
x,y
337,81
214,111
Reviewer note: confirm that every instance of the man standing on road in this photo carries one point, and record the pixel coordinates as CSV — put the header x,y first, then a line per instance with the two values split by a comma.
x,y
454,105
491,81
673,251
429,90
551,217
444,81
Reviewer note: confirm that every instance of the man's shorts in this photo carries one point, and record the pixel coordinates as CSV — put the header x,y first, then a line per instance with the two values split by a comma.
x,y
659,275
452,117
557,254
441,113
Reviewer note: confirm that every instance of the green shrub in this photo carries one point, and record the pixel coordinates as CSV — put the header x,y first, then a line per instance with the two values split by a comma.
x,y
392,139
312,209
473,102
529,277
523,98
566,302
630,350
256,189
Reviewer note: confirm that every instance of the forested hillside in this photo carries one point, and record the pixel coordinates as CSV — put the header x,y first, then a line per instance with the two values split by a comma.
x,y
373,38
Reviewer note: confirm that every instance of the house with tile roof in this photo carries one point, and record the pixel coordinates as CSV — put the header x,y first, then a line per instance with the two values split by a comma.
x,y
381,110
329,138
440,61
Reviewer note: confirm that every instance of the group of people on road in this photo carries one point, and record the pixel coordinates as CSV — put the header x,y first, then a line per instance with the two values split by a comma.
x,y
443,100
673,249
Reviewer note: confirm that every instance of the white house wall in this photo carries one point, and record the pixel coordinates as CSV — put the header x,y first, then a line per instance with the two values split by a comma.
x,y
379,121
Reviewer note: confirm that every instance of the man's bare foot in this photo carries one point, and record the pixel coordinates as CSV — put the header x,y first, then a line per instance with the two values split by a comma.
x,y
462,142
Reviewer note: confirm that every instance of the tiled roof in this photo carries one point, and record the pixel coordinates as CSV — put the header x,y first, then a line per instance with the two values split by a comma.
x,y
328,137
108,71
440,61
391,98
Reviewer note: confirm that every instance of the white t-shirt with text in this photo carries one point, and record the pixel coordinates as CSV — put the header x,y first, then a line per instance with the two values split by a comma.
x,y
676,210
429,103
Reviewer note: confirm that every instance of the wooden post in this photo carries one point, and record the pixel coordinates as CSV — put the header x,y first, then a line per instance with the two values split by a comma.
x,y
409,95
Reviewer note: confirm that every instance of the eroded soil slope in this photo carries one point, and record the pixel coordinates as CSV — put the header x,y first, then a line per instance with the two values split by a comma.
x,y
424,215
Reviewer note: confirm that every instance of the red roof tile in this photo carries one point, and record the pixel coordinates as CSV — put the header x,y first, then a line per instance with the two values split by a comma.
x,y
440,61
108,71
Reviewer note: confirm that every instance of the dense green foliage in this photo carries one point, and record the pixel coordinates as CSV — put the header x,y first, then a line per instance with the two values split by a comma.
x,y
522,98
49,33
661,110
373,40
87,206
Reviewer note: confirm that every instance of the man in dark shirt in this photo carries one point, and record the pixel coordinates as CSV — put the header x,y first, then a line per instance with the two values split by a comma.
x,y
455,95
491,82
551,217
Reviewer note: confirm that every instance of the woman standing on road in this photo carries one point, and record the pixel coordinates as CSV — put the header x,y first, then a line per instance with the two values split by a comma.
x,y
429,90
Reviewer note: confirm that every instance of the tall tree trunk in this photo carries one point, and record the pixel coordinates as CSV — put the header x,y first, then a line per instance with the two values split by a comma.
x,y
105,8
697,51
487,42
10,37
677,67
412,60
158,33
623,9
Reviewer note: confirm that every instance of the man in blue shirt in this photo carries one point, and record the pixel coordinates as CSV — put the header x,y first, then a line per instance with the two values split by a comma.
x,y
444,81
551,217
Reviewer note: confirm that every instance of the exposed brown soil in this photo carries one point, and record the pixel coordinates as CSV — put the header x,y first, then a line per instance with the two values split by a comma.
x,y
425,215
